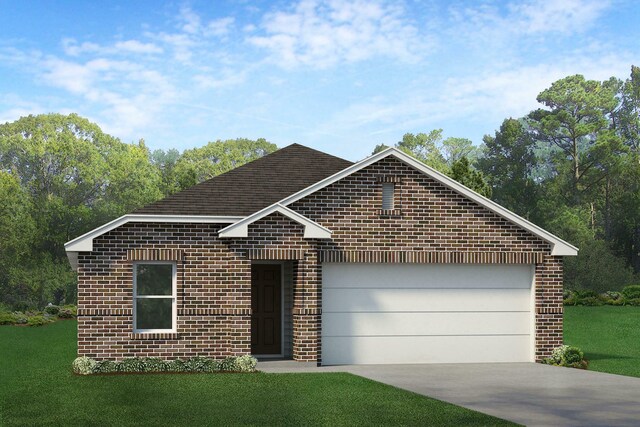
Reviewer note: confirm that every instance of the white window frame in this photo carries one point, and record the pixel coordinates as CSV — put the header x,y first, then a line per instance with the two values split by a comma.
x,y
173,296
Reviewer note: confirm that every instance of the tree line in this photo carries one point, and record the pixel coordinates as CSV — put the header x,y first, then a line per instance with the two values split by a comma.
x,y
572,166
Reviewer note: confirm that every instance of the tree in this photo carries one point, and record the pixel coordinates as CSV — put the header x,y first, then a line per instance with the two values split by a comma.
x,y
577,113
165,162
77,176
199,164
454,149
507,162
628,115
462,172
426,148
71,178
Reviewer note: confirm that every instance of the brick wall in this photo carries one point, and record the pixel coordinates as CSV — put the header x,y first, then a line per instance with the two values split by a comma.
x,y
429,223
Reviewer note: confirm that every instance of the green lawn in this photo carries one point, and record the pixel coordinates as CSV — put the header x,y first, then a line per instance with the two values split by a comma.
x,y
609,336
38,388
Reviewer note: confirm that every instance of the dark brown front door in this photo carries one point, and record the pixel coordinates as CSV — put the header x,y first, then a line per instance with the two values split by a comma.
x,y
266,309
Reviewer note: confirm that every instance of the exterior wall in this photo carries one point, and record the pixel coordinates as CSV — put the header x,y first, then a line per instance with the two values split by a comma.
x,y
429,223
213,293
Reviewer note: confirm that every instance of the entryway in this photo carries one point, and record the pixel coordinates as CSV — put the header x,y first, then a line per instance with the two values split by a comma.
x,y
271,301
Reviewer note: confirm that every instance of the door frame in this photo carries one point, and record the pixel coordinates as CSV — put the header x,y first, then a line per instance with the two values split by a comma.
x,y
281,264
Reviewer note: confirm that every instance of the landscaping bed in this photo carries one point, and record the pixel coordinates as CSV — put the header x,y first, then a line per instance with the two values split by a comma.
x,y
38,387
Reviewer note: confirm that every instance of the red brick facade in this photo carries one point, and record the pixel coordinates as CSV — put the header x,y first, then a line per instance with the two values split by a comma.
x,y
430,223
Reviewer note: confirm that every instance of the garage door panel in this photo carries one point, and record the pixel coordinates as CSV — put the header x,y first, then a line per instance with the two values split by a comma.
x,y
459,349
426,324
426,313
386,276
382,300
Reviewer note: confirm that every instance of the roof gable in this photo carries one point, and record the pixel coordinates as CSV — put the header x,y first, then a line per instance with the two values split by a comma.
x,y
559,246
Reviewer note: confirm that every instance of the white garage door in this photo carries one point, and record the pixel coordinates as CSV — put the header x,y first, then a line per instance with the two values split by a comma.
x,y
418,313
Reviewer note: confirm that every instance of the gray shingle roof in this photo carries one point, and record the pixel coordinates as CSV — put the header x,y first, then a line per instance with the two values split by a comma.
x,y
253,186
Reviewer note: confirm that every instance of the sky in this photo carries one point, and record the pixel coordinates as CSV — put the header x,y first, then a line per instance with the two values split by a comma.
x,y
337,76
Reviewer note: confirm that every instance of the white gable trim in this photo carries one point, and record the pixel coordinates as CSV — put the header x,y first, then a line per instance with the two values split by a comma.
x,y
312,230
559,246
84,243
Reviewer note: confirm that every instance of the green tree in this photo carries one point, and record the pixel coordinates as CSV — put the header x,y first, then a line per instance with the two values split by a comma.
x,y
628,115
426,148
199,164
577,114
454,149
462,172
507,162
165,162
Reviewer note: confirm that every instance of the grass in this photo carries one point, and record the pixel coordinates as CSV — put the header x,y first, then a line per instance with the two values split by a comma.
x,y
38,388
609,336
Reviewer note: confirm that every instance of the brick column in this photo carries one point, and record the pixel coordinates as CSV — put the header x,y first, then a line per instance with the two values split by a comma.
x,y
307,309
548,306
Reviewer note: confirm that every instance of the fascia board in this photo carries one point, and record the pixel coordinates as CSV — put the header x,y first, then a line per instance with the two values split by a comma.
x,y
312,230
84,243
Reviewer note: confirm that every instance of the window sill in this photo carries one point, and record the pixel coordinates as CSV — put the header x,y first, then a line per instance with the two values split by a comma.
x,y
154,335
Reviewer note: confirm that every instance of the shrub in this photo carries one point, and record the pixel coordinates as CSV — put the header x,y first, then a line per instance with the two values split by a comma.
x,y
246,363
631,292
65,314
633,301
568,356
83,365
52,309
8,319
38,320
21,318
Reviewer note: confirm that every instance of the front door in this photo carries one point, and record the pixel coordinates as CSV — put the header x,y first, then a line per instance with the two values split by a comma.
x,y
266,309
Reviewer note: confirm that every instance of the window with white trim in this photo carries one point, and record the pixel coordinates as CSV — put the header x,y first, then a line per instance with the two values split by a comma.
x,y
388,189
154,296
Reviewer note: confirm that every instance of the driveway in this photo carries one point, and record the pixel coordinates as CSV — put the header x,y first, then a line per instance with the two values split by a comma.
x,y
527,393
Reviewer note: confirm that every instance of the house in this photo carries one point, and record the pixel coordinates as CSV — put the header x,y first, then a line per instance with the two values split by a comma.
x,y
303,255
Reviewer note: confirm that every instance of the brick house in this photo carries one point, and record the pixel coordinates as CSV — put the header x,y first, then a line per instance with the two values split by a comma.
x,y
303,255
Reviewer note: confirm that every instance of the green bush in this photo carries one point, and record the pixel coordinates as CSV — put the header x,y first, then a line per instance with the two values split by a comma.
x,y
38,320
633,302
84,365
245,363
68,312
52,310
8,318
568,356
631,292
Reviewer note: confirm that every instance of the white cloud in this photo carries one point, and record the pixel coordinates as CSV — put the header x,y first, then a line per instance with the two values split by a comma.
x,y
322,34
566,16
135,46
72,48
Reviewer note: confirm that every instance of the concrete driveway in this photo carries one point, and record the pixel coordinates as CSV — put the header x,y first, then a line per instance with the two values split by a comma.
x,y
527,393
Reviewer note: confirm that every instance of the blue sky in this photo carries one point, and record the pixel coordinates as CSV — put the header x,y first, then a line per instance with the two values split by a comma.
x,y
340,77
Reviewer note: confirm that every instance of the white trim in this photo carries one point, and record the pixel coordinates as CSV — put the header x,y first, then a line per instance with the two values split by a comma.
x,y
84,243
559,246
532,308
312,230
173,296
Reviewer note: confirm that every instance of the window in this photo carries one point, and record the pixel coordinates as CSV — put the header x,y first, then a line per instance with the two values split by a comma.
x,y
388,188
154,297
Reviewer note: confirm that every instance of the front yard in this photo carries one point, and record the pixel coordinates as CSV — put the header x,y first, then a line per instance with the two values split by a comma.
x,y
608,335
38,388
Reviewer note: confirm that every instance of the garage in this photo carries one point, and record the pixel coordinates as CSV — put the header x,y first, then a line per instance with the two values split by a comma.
x,y
426,313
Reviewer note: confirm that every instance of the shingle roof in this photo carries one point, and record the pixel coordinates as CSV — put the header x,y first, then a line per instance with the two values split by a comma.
x,y
253,186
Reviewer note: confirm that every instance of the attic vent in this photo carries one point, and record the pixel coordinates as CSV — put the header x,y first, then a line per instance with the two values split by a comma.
x,y
388,188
